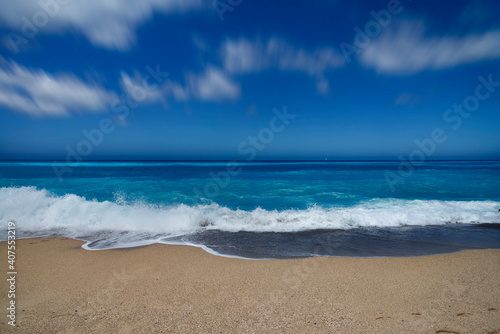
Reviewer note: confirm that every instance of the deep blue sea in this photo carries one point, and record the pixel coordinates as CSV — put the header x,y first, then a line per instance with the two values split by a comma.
x,y
259,210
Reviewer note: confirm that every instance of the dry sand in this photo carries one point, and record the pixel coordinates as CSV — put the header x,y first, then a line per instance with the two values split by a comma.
x,y
62,288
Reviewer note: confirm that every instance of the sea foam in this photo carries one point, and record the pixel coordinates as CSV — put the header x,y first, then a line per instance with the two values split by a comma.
x,y
37,211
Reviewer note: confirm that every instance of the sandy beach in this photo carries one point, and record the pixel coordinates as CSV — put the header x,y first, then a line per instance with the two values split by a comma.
x,y
62,288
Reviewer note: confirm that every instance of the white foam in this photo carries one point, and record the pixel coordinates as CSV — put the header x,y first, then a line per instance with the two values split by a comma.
x,y
38,211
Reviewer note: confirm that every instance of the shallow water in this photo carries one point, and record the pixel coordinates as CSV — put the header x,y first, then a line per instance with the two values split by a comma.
x,y
262,209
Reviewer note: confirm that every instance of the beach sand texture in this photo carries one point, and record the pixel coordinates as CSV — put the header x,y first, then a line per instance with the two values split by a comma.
x,y
62,288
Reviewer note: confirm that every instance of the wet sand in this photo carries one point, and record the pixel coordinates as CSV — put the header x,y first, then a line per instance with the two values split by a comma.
x,y
62,288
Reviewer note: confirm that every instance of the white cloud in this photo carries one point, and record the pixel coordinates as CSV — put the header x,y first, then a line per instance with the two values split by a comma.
x,y
213,85
106,23
38,93
406,50
179,92
245,56
140,90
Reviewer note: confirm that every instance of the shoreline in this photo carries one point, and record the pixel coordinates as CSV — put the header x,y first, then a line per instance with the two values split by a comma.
x,y
62,287
214,253
359,242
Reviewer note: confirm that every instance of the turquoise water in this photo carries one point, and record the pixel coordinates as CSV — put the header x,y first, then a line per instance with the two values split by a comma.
x,y
261,209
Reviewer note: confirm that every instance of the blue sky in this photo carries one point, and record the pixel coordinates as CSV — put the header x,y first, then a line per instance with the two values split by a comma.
x,y
195,79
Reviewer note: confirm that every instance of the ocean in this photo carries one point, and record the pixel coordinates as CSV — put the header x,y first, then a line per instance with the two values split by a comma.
x,y
259,210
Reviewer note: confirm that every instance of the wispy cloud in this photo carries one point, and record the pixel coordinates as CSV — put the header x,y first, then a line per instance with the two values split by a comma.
x,y
38,93
106,23
212,85
243,56
140,89
407,50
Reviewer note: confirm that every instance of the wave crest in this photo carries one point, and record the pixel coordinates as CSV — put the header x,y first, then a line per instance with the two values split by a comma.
x,y
37,210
